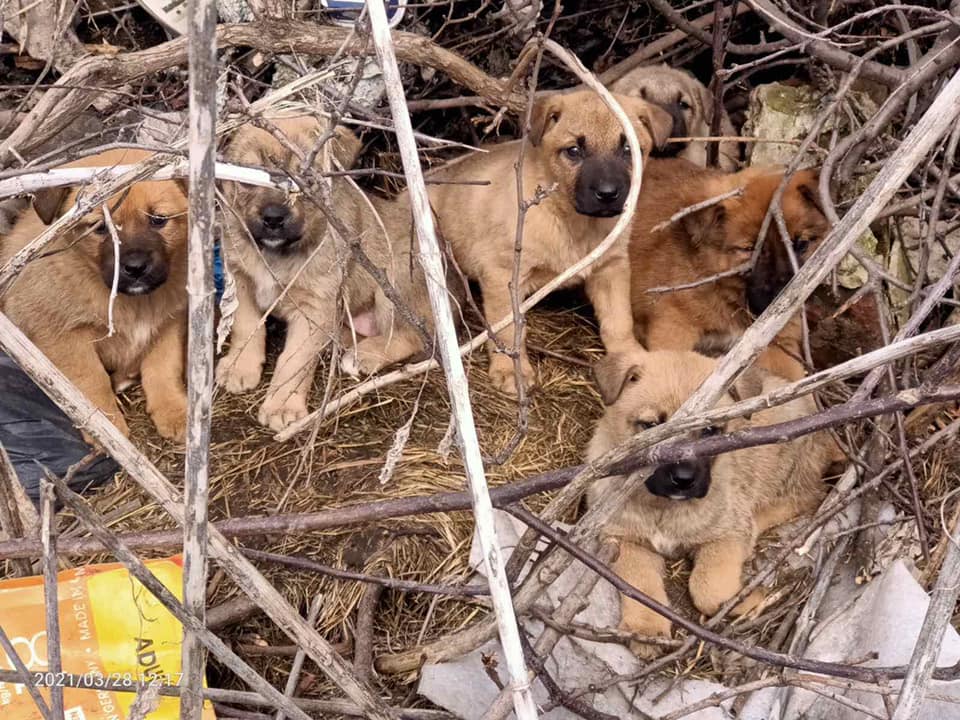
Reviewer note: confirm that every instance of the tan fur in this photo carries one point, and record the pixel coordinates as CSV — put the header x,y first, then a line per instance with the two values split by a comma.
x,y
750,491
317,274
665,86
480,221
60,300
709,242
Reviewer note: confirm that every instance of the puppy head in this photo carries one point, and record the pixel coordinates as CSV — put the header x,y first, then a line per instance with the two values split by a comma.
x,y
644,389
150,219
584,149
276,221
723,236
806,226
678,92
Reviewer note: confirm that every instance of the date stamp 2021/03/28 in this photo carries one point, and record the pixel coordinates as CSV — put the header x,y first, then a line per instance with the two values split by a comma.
x,y
104,681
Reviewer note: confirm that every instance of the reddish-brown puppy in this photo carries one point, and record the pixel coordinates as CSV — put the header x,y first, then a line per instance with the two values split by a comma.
x,y
713,241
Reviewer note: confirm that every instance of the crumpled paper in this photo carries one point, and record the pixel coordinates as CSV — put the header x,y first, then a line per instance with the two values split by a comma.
x,y
885,619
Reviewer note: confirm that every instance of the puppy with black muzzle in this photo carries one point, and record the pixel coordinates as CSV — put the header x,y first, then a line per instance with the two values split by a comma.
x,y
286,260
61,300
710,508
577,157
689,104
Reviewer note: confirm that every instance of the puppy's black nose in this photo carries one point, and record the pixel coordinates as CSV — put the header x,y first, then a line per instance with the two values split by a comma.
x,y
607,192
274,216
135,263
683,475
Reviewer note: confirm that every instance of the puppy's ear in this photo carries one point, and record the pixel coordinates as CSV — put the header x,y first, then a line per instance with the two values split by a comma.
x,y
657,122
546,112
807,189
49,203
705,226
183,185
613,373
346,147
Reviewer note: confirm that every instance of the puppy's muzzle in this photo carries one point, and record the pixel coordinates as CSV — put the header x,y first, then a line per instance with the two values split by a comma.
x,y
602,187
140,272
276,227
680,481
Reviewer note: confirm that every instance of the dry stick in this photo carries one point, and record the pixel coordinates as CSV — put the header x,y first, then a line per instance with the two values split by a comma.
x,y
925,652
70,94
364,637
432,261
291,687
190,622
202,16
323,708
240,570
10,525
23,675
48,536
446,502
938,118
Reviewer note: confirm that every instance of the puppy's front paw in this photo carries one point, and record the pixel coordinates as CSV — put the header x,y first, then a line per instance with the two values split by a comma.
x,y
281,410
359,362
237,373
170,417
503,376
650,624
710,591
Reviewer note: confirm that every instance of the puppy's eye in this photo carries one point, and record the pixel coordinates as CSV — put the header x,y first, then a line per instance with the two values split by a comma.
x,y
643,93
574,152
158,221
710,431
684,105
625,150
641,425
100,228
800,244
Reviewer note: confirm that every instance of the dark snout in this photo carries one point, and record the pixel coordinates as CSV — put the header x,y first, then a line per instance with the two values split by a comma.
x,y
768,277
681,481
276,226
602,186
143,265
679,129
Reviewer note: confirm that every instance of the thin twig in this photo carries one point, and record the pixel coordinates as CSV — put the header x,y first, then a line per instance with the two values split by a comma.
x,y
51,604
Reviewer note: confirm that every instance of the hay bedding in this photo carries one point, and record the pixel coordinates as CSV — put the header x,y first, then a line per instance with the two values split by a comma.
x,y
253,475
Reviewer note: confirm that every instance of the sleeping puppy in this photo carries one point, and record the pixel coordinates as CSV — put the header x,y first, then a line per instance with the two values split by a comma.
x,y
577,158
710,508
689,104
61,299
287,261
712,241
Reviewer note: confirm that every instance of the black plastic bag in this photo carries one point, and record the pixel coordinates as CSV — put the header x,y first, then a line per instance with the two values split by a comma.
x,y
36,434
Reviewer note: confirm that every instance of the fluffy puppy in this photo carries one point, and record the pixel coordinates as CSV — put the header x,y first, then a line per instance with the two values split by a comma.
x,y
577,156
710,508
287,261
689,104
716,240
61,299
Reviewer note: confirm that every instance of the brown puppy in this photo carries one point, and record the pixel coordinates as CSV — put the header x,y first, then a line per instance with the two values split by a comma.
x,y
61,299
710,508
689,104
577,154
288,262
712,241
